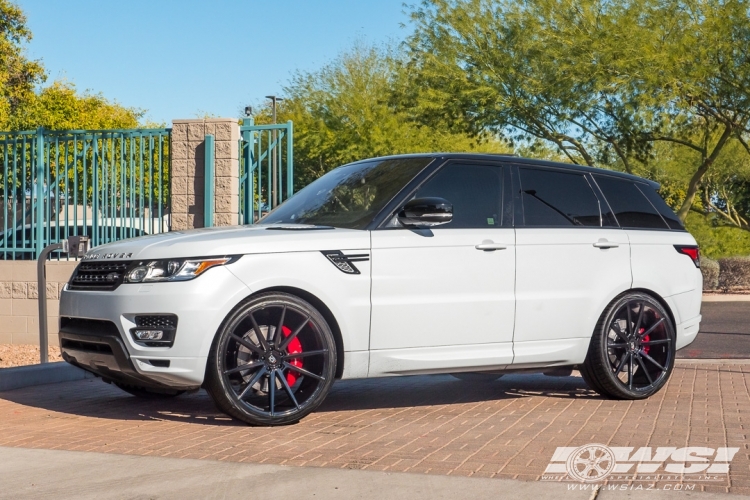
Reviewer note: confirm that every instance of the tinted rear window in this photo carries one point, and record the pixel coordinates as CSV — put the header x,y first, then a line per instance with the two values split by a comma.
x,y
667,213
630,206
552,198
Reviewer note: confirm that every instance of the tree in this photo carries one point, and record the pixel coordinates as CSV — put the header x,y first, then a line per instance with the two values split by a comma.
x,y
60,107
25,105
342,113
604,82
18,75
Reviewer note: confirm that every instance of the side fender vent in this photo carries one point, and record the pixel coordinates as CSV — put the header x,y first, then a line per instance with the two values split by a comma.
x,y
345,263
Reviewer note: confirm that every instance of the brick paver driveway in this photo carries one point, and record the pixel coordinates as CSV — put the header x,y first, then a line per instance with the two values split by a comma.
x,y
431,424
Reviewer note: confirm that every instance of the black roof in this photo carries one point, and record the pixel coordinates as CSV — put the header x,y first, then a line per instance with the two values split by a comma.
x,y
521,161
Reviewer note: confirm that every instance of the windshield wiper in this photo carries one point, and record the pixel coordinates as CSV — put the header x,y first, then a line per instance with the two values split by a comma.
x,y
532,192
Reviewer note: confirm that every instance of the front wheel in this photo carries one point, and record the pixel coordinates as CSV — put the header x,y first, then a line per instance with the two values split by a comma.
x,y
632,351
273,360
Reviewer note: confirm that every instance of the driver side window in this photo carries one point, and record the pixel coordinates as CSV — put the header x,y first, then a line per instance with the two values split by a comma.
x,y
474,190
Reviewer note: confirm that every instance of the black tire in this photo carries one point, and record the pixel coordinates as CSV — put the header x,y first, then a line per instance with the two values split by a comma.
x,y
144,393
632,351
477,377
285,377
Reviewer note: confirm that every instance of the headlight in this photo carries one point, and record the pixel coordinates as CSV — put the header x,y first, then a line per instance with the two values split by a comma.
x,y
172,269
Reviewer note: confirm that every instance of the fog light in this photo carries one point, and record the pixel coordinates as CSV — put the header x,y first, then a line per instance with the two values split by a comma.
x,y
149,334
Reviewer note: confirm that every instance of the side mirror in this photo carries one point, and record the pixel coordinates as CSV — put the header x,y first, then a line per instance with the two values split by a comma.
x,y
426,212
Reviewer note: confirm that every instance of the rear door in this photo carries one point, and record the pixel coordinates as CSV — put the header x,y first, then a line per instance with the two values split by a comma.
x,y
654,230
442,298
571,260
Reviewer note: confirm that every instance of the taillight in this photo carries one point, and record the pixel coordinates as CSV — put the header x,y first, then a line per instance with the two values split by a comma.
x,y
691,251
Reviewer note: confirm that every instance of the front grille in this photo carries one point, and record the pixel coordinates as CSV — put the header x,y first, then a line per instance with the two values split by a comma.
x,y
157,321
98,275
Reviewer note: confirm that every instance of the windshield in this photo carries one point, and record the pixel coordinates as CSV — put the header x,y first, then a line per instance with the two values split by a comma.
x,y
349,196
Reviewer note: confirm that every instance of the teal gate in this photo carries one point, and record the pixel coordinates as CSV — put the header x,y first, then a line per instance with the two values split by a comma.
x,y
266,168
108,184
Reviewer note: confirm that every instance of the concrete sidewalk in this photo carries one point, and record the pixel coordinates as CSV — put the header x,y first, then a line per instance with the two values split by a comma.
x,y
41,474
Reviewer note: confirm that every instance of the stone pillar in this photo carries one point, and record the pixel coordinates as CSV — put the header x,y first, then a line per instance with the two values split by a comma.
x,y
226,170
188,168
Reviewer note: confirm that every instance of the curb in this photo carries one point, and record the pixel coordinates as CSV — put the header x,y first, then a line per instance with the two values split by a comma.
x,y
48,373
729,297
712,361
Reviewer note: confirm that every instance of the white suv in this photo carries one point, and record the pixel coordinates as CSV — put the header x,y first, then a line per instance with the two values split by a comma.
x,y
442,263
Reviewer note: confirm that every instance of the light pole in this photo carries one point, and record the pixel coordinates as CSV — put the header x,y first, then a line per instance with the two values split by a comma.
x,y
274,173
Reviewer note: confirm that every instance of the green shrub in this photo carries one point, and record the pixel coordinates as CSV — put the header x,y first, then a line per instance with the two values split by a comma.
x,y
734,273
717,241
710,270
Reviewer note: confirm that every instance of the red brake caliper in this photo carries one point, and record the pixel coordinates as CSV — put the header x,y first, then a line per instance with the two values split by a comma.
x,y
294,347
646,348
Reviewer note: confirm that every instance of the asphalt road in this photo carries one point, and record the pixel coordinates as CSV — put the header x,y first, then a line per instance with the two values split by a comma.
x,y
725,332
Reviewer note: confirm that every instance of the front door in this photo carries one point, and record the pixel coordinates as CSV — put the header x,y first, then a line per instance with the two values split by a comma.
x,y
443,298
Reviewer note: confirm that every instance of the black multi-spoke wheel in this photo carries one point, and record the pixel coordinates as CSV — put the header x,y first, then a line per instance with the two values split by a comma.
x,y
632,352
273,360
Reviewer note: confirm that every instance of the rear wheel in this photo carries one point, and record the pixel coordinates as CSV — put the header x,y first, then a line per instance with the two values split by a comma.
x,y
272,362
631,355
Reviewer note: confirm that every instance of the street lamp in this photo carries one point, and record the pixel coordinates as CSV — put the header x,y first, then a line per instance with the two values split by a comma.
x,y
274,161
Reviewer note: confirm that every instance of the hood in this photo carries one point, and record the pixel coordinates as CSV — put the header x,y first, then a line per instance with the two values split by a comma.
x,y
234,240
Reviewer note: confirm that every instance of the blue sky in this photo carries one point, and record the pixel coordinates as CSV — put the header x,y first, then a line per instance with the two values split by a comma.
x,y
182,58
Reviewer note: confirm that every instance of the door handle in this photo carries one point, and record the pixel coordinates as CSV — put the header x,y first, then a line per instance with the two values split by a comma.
x,y
605,243
489,246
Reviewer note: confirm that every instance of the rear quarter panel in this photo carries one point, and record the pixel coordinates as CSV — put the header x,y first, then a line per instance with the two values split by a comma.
x,y
658,267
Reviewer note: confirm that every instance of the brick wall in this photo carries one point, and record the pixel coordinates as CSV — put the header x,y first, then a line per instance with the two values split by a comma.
x,y
19,311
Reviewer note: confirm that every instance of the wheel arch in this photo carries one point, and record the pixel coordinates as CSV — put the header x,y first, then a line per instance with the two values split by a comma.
x,y
661,301
647,291
323,309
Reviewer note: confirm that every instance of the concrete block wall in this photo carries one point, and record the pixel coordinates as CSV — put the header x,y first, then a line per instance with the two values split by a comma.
x,y
19,309
188,171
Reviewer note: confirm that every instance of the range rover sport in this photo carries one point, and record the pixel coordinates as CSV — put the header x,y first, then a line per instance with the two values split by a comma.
x,y
473,265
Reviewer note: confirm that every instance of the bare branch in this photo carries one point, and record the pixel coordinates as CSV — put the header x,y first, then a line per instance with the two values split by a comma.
x,y
683,142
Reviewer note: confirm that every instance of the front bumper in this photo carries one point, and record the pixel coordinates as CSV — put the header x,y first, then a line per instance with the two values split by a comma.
x,y
96,346
106,348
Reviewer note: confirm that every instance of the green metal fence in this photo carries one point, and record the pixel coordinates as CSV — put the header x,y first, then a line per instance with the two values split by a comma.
x,y
269,149
108,184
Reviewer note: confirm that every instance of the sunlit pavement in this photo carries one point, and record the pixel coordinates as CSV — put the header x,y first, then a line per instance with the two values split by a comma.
x,y
437,425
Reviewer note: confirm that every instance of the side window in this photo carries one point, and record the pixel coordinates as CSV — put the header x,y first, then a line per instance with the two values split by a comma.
x,y
553,198
474,190
631,208
659,204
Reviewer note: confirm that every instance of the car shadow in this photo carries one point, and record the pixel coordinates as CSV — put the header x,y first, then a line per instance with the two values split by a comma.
x,y
94,398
